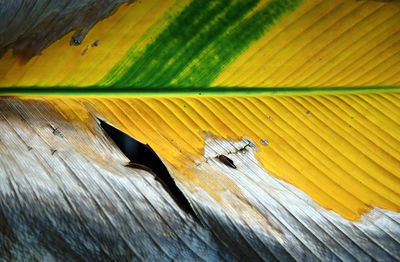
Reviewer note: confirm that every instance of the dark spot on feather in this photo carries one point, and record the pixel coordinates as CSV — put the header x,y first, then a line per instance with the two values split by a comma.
x,y
55,131
249,144
227,161
84,51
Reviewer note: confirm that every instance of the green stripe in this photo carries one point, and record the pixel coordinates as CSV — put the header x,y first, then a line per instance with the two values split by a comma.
x,y
179,32
234,43
193,49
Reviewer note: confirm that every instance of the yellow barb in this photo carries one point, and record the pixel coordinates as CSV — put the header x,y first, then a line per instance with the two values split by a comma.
x,y
324,43
320,44
342,150
62,64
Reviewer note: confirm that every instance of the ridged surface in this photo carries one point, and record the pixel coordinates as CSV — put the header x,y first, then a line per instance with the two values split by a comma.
x,y
225,43
342,150
28,27
62,64
66,194
317,177
325,43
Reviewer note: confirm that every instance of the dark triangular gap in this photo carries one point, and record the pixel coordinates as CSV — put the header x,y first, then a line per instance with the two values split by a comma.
x,y
143,156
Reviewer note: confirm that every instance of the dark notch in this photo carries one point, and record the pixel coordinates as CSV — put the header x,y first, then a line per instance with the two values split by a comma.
x,y
142,156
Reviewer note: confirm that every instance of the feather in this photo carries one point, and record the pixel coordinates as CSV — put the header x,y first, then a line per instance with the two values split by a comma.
x,y
277,122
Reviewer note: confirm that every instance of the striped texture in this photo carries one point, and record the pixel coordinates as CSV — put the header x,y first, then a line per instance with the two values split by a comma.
x,y
62,64
66,195
64,200
318,175
325,43
248,43
342,150
193,49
